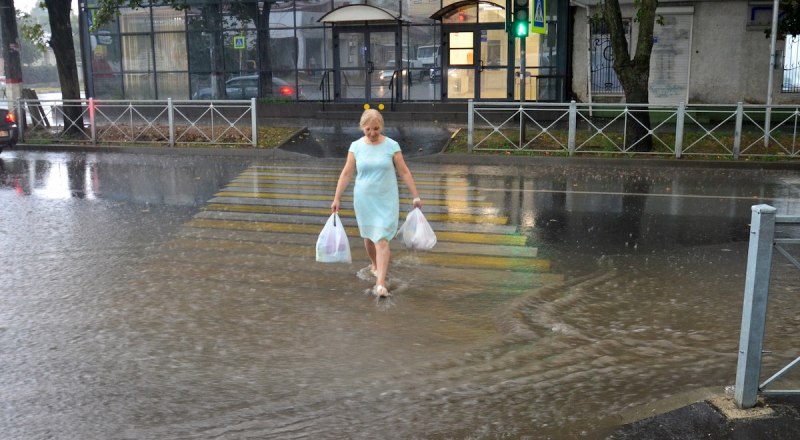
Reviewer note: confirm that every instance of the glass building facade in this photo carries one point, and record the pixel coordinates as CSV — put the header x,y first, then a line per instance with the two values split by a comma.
x,y
333,50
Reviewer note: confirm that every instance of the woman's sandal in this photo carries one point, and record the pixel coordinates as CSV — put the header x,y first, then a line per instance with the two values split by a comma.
x,y
381,292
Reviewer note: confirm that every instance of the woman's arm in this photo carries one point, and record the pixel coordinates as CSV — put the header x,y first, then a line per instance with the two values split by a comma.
x,y
405,174
344,180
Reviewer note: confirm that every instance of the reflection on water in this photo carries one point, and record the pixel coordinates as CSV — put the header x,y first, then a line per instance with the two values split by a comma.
x,y
117,322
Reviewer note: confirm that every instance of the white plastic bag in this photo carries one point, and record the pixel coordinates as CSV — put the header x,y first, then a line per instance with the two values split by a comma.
x,y
416,232
332,244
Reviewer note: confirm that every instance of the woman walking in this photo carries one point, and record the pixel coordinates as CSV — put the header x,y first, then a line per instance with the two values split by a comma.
x,y
377,161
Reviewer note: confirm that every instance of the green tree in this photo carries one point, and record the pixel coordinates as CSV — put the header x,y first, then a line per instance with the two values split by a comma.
x,y
62,42
633,72
789,20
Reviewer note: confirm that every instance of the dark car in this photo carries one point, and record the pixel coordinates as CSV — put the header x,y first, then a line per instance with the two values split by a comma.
x,y
246,87
8,129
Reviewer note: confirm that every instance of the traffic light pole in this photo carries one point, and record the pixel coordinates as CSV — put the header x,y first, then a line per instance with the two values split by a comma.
x,y
522,77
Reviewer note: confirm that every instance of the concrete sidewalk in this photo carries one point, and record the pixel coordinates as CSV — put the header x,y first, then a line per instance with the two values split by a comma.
x,y
777,419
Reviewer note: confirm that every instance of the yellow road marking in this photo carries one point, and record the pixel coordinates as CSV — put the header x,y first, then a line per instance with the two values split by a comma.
x,y
322,178
429,258
266,195
293,228
266,209
326,186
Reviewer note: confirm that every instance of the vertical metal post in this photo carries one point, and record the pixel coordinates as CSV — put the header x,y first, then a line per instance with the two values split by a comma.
x,y
737,133
92,125
522,79
625,130
679,130
573,123
470,123
772,61
171,119
756,289
254,121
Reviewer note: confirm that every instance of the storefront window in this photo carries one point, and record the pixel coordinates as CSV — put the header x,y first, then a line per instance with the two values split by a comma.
x,y
419,11
134,20
464,15
137,53
166,19
462,52
174,85
491,13
170,51
139,86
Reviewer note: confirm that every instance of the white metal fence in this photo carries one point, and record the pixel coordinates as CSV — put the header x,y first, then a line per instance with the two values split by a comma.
x,y
732,131
113,122
754,311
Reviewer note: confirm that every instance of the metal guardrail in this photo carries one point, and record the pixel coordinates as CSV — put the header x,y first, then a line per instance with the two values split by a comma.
x,y
732,131
115,122
751,338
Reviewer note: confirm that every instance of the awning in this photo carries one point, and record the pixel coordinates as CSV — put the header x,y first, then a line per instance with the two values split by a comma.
x,y
449,9
358,14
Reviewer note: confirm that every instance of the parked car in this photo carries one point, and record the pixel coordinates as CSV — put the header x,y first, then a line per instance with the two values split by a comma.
x,y
246,87
8,129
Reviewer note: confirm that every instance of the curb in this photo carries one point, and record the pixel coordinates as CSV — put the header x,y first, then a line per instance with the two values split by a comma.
x,y
441,158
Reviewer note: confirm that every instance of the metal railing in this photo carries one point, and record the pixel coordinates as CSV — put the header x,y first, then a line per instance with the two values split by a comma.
x,y
731,131
325,87
751,338
115,122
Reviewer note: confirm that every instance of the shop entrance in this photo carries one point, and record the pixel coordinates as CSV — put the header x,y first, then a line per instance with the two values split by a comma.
x,y
365,62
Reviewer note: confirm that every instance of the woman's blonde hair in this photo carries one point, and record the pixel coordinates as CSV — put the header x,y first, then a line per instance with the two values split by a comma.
x,y
371,115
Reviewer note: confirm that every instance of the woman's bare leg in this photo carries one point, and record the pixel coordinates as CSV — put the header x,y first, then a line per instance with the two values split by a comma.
x,y
382,258
371,253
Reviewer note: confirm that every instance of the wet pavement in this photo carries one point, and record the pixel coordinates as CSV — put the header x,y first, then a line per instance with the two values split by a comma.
x,y
176,296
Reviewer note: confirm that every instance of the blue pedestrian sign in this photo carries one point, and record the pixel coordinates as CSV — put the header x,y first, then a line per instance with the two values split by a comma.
x,y
239,42
539,22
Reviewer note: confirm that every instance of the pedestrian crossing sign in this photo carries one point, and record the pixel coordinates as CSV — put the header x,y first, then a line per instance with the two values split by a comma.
x,y
239,42
539,22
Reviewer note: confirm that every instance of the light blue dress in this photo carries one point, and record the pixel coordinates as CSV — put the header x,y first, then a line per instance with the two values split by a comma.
x,y
376,198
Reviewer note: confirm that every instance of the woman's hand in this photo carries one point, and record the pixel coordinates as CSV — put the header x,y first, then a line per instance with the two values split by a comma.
x,y
335,206
417,202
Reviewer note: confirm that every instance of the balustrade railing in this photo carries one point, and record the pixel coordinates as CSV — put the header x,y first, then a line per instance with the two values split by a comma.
x,y
730,131
146,122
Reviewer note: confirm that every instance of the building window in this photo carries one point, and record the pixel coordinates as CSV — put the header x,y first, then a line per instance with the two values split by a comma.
x,y
791,65
604,79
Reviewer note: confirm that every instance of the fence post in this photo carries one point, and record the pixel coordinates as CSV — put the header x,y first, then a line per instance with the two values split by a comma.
x,y
92,127
625,131
756,290
254,121
737,131
679,130
171,119
573,122
470,123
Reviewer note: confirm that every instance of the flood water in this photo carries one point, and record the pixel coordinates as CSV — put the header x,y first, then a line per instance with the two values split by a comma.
x,y
122,316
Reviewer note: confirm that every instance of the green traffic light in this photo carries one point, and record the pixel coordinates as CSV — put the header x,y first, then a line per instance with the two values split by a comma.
x,y
521,29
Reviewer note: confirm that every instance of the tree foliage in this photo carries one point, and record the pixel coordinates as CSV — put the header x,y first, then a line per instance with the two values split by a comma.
x,y
789,19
